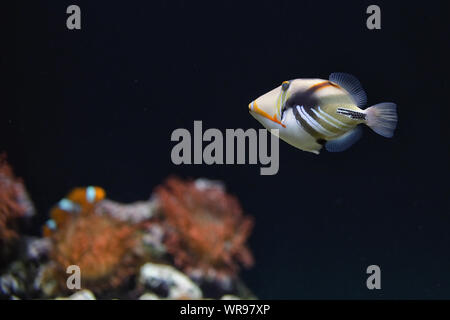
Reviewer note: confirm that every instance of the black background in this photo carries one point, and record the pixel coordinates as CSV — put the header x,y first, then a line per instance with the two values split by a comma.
x,y
98,106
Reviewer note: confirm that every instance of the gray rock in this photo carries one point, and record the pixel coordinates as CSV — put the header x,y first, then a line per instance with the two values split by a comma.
x,y
134,212
152,276
10,285
204,184
80,295
13,281
230,297
153,239
37,248
149,296
45,283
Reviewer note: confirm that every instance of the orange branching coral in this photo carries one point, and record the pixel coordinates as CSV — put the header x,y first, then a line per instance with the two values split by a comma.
x,y
100,245
206,228
14,201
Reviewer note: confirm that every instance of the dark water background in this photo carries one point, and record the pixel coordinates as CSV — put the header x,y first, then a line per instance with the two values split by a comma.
x,y
98,106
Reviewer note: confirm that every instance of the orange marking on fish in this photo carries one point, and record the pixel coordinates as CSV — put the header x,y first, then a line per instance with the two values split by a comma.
x,y
46,232
78,195
59,216
266,115
322,85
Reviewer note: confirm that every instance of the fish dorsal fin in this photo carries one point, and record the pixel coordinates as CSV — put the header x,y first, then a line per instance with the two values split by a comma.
x,y
345,141
352,85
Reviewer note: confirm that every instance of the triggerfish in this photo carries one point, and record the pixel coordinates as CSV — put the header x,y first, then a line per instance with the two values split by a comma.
x,y
312,113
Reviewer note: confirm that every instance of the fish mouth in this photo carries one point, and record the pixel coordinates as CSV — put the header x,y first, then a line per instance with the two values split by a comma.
x,y
253,107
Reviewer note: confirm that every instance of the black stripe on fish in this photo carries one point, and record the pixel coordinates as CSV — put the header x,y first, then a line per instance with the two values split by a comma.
x,y
352,114
302,98
306,98
311,113
303,123
326,126
308,101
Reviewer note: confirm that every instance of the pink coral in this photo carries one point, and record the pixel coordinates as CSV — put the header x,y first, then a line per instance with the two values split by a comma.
x,y
206,228
14,201
100,245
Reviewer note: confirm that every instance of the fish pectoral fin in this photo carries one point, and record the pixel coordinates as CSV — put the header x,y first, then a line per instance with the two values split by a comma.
x,y
345,141
352,85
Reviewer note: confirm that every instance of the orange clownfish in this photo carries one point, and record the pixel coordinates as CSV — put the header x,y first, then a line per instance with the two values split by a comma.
x,y
79,200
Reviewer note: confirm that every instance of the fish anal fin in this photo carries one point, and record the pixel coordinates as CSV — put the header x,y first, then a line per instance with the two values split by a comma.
x,y
352,85
345,141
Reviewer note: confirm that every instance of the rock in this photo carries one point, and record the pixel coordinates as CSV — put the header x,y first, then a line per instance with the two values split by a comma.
x,y
149,296
80,295
203,184
152,239
134,212
230,297
163,277
37,248
44,281
13,282
9,285
212,283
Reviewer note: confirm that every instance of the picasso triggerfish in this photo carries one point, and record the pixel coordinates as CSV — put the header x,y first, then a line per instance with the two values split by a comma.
x,y
312,113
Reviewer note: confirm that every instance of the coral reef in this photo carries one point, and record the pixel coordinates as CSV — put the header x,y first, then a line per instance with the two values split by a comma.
x,y
168,281
101,246
206,230
15,205
134,213
187,241
84,294
14,201
37,248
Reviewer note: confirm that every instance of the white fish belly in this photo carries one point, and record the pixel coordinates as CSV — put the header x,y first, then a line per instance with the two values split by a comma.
x,y
296,136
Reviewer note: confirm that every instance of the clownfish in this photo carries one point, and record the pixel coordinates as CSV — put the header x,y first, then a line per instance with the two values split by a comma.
x,y
312,113
78,201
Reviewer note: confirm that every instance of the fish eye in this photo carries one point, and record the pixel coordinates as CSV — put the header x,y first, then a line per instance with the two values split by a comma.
x,y
285,85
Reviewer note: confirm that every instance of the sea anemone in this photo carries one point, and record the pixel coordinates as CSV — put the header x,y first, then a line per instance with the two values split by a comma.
x,y
206,230
101,246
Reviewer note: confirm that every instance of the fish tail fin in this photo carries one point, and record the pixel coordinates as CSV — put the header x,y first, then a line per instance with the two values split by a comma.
x,y
382,118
